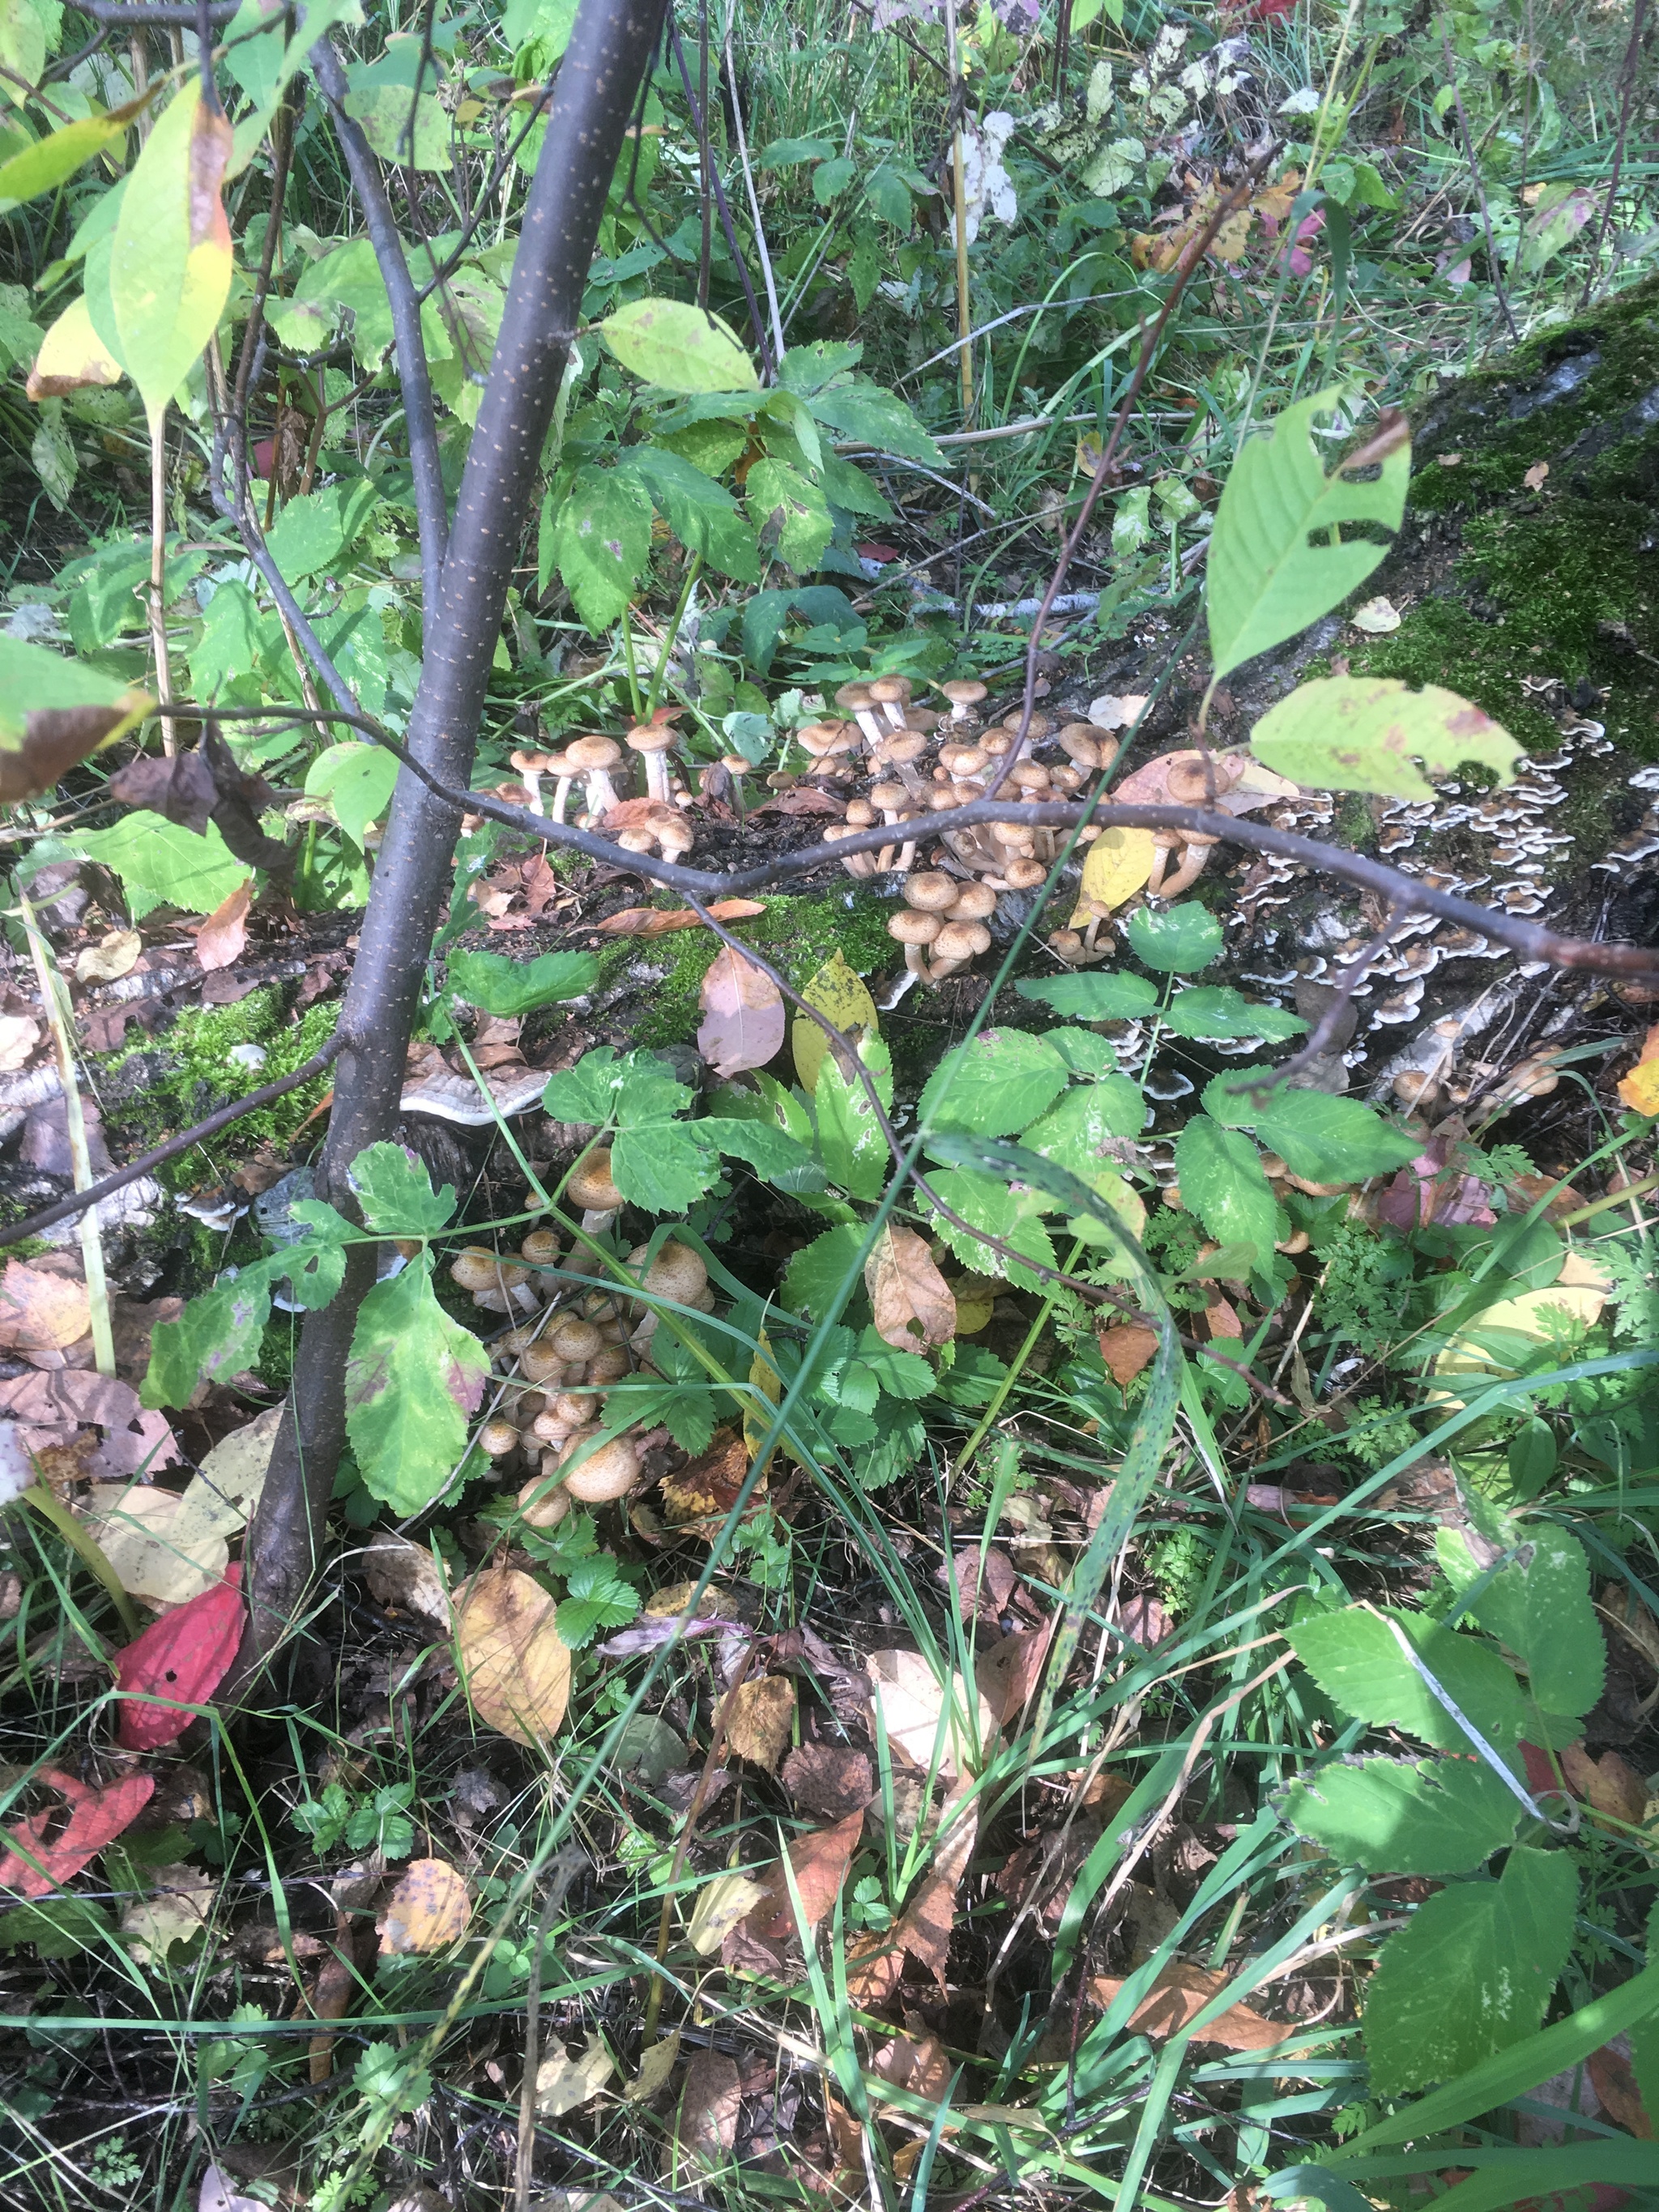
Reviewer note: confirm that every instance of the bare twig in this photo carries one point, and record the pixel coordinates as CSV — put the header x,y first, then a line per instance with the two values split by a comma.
x,y
1627,77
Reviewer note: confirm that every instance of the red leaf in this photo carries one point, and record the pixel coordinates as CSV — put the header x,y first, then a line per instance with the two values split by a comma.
x,y
184,1656
221,939
96,1818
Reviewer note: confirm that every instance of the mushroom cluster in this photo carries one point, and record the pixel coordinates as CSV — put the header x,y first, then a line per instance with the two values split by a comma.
x,y
556,1368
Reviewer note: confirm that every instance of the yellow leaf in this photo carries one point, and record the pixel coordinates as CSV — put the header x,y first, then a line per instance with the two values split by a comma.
x,y
657,2062
1117,865
727,1900
760,1720
563,2084
1640,1089
220,1497
975,1296
1539,1315
170,265
516,1666
429,1910
136,1526
72,357
841,998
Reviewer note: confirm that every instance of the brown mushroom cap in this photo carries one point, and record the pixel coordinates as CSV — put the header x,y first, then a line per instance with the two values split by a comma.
x,y
1024,875
961,760
496,1439
589,1186
539,1363
1029,775
611,1470
902,748
651,736
529,763
1036,729
824,739
609,1364
736,765
676,1272
574,1339
540,1248
891,690
592,752
974,902
1083,742
910,927
889,797
962,940
852,697
541,1507
931,892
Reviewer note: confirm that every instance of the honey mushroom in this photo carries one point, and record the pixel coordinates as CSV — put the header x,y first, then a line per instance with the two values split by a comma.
x,y
652,741
593,758
891,695
966,695
590,1186
533,767
941,918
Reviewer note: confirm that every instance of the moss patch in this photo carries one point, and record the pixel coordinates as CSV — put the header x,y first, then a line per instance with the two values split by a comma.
x,y
797,935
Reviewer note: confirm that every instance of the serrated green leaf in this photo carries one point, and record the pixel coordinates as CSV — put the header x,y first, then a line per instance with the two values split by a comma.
x,y
412,1380
161,863
831,178
993,1085
313,529
702,514
851,1145
789,513
818,1270
356,780
1538,1608
1368,733
601,542
1223,1181
1471,1975
383,110
1319,1137
859,409
774,1155
663,1166
1084,1131
1435,1816
1356,1659
501,986
1112,995
682,348
1011,1216
58,1927
1217,1011
1176,941
216,1336
394,1189
170,263
1083,1051
1267,579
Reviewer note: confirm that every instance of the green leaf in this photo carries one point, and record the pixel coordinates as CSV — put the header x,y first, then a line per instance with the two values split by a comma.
x,y
1012,1216
1084,1052
1084,1131
889,196
313,529
1435,1816
602,540
216,1336
789,513
831,178
160,862
603,1085
58,1927
671,343
598,1598
501,986
993,1085
1532,1458
384,2074
394,1189
772,1152
1223,1181
1266,579
39,168
227,650
1471,1975
170,264
356,780
1176,941
662,1166
1366,732
1538,1608
54,712
859,409
1217,1011
818,1270
851,1145
23,48
1321,1137
413,1377
384,111
702,514
1356,1661
785,153
1112,995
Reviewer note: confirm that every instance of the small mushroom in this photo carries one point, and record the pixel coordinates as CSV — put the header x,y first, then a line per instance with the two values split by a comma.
x,y
540,1249
533,767
854,699
825,742
861,864
652,740
593,758
607,1473
497,1439
542,1502
901,750
591,1187
916,932
957,944
737,768
891,695
966,695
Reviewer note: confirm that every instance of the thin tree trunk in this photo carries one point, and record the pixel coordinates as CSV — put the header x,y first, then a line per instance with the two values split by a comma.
x,y
610,51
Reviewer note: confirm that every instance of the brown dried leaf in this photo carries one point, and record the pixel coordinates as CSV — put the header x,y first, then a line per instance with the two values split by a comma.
x,y
1126,1349
819,1863
805,799
115,954
915,2061
221,940
55,737
1614,2080
516,1667
931,1723
705,2126
914,1306
1176,1998
1535,475
829,1779
180,790
429,1910
743,1023
657,921
331,1998
760,1718
401,1573
708,1485
19,1035
40,1311
1009,1670
1610,1786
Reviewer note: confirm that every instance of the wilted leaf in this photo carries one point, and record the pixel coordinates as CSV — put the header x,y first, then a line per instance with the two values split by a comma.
x,y
818,1863
657,921
404,1574
1609,1784
226,1488
829,1779
934,1724
170,264
221,939
1534,479
54,712
1618,2091
915,2061
564,2084
43,1855
115,954
516,1667
1367,733
657,2062
842,1001
1117,864
174,1908
135,1527
430,1909
760,1718
217,2195
1179,1995
184,1656
19,1035
1126,1348
912,1302
720,1905
1377,617
1009,1670
705,2126
72,357
743,1022
40,1312
708,1484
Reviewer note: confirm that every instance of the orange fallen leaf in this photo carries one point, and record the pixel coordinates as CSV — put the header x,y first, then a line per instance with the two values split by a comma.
x,y
708,1484
1640,1089
1610,1786
1176,1998
818,1863
330,1997
759,1718
657,921
221,939
429,1910
517,1667
1126,1349
41,1312
915,2060
742,1021
705,2125
1009,1670
913,1304
1614,2080
36,1865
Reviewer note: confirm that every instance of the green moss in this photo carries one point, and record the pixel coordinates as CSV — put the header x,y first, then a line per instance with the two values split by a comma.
x,y
797,935
189,1073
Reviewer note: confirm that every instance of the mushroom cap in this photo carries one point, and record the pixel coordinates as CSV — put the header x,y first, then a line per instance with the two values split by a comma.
x,y
675,835
961,760
902,748
609,1364
931,892
574,1338
611,1470
589,1186
539,1363
1036,729
676,1272
889,797
861,814
1083,742
651,736
635,841
533,763
911,927
1066,943
496,1439
964,692
541,1507
736,765
822,739
852,697
1024,875
1029,775
592,752
476,1268
540,1248
962,940
891,690
1065,779
996,744
974,902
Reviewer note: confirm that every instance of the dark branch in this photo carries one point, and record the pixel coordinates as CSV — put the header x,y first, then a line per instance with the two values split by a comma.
x,y
267,1095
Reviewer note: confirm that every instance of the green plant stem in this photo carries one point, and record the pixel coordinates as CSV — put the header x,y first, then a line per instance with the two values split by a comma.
x,y
85,1549
694,569
1639,1188
631,665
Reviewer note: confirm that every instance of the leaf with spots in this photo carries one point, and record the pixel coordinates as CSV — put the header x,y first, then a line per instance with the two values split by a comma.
x,y
39,1860
413,1378
182,1657
601,540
